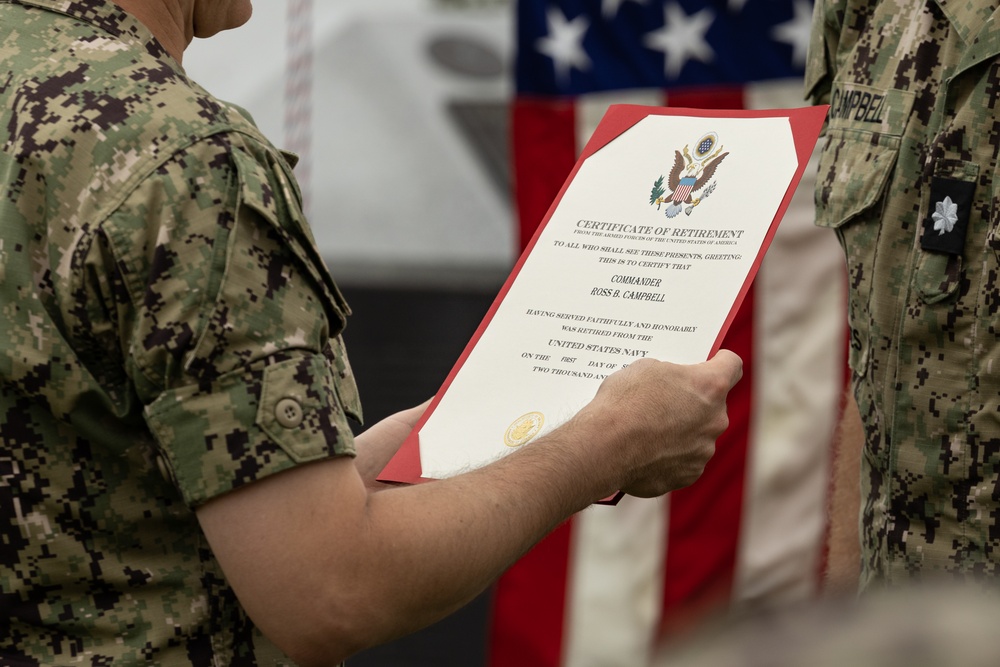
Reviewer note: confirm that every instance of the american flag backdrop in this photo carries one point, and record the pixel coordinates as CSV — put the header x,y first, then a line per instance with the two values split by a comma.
x,y
606,587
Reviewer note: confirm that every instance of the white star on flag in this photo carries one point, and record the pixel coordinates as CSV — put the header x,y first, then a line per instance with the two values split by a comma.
x,y
682,38
796,32
610,7
564,43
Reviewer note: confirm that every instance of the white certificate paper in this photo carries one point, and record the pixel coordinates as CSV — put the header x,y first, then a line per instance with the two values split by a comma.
x,y
647,252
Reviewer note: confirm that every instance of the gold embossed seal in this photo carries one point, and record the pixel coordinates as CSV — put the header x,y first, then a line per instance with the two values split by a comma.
x,y
523,429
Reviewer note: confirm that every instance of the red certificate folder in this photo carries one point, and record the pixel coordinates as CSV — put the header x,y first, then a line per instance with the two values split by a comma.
x,y
805,125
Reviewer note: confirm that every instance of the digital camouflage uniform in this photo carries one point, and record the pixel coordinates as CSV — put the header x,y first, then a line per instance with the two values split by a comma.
x,y
907,178
168,333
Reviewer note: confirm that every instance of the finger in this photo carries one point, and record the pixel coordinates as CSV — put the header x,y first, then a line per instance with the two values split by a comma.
x,y
410,416
728,365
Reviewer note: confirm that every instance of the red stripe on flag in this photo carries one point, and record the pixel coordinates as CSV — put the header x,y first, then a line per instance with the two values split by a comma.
x,y
845,378
544,147
529,600
704,519
716,97
529,605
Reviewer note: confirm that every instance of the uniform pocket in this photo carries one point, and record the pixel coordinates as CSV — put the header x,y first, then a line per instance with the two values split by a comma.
x,y
300,409
853,174
269,188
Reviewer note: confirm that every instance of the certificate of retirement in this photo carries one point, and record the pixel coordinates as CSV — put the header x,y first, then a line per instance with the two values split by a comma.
x,y
647,252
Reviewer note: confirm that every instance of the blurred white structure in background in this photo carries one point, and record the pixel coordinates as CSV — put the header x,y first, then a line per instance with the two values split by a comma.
x,y
408,180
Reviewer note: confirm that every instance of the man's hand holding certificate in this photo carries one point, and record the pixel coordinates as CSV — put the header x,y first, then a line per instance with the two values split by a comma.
x,y
697,396
646,254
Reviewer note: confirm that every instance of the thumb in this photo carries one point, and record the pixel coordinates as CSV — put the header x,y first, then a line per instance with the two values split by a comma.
x,y
728,366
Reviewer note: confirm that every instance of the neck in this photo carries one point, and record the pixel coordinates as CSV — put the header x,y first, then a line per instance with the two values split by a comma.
x,y
165,20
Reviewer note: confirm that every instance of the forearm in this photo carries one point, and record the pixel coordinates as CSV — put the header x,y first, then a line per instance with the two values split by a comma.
x,y
362,568
450,539
844,550
434,547
326,568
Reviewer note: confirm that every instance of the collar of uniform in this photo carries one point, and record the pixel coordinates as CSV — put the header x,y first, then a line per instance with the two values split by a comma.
x,y
986,42
109,17
970,19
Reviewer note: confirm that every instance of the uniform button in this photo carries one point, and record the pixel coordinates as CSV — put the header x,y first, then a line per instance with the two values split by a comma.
x,y
288,412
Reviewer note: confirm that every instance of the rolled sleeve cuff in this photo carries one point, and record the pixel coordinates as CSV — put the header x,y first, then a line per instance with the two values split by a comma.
x,y
251,423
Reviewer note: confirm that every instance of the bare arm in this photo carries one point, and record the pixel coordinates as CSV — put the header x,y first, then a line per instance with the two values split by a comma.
x,y
844,554
326,568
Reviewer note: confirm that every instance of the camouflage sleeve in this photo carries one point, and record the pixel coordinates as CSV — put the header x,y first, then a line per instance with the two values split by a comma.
x,y
229,321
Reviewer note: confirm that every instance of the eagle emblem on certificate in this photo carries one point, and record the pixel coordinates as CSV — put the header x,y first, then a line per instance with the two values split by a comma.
x,y
690,180
523,429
